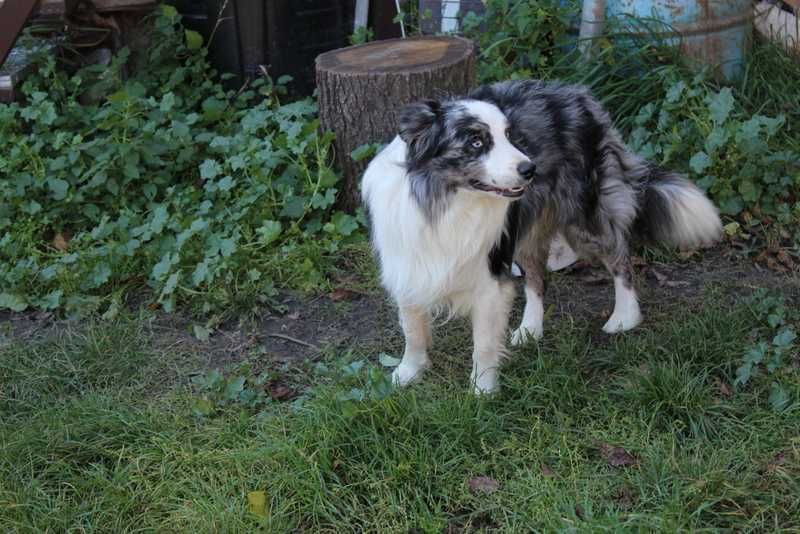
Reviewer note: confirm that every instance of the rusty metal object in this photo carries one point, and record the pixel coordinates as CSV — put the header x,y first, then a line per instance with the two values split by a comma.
x,y
713,32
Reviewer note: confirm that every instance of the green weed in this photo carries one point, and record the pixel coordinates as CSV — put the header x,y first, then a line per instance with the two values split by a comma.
x,y
164,182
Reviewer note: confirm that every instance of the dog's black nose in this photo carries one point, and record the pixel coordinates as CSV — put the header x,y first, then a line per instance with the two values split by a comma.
x,y
526,169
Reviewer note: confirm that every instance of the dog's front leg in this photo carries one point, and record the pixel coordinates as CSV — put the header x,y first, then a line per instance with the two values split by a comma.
x,y
416,325
490,312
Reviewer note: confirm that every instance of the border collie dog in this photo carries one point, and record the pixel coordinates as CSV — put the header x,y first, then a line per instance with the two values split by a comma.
x,y
471,186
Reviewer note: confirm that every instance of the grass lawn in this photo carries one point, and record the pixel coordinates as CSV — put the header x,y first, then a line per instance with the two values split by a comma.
x,y
642,431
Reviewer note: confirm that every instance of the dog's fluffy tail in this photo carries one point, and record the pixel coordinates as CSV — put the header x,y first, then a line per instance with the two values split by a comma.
x,y
676,212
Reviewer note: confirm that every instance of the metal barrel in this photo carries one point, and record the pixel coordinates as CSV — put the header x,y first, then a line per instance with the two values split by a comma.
x,y
717,33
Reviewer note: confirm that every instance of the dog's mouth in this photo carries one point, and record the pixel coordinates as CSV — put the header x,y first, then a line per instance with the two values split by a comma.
x,y
513,192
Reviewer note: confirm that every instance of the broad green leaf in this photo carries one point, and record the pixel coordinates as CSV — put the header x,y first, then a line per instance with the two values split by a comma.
x,y
775,320
160,217
353,367
149,191
645,114
12,302
193,40
388,361
675,91
201,332
161,268
98,179
784,338
700,162
779,398
717,139
319,201
210,169
294,208
167,102
58,187
213,108
328,178
363,152
355,394
227,246
743,374
168,11
200,273
720,105
269,231
226,184
171,284
202,407
51,301
100,274
749,190
234,387
756,354
345,224
198,225
732,206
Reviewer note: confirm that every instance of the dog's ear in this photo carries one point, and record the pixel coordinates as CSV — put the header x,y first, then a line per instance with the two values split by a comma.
x,y
420,126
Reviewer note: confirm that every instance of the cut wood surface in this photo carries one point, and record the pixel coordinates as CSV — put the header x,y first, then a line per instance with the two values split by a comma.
x,y
362,88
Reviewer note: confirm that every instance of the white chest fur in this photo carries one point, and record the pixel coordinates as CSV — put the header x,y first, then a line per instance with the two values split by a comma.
x,y
424,264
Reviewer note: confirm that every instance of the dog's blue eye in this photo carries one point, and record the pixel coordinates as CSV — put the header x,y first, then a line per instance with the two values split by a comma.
x,y
508,133
477,143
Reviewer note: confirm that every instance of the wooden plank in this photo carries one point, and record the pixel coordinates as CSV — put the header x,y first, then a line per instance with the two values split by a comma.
x,y
13,16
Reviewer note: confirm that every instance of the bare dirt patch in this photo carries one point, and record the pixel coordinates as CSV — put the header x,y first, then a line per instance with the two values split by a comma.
x,y
347,319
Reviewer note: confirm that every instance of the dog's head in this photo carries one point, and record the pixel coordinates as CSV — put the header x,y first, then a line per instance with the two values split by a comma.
x,y
462,144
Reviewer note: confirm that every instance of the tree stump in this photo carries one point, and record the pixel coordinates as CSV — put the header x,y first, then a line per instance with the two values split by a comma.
x,y
362,88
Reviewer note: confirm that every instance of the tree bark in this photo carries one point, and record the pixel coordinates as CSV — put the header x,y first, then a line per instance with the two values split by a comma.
x,y
362,88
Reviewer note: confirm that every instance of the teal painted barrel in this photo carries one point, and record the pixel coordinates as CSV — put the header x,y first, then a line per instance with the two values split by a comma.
x,y
717,33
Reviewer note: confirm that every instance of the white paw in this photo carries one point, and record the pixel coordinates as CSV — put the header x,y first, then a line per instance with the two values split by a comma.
x,y
405,374
525,333
486,382
620,322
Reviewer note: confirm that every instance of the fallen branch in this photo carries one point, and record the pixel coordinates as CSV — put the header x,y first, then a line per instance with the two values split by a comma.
x,y
295,340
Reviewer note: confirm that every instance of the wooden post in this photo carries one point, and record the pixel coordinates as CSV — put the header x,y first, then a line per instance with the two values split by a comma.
x,y
362,88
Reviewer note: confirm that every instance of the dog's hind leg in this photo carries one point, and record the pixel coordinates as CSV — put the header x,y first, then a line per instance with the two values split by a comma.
x,y
416,325
490,310
532,257
626,314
